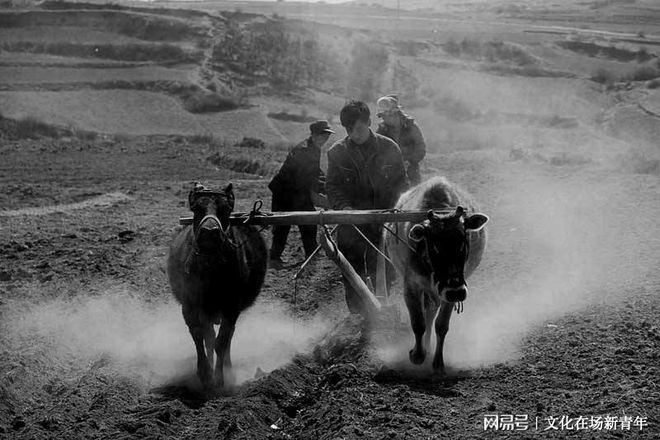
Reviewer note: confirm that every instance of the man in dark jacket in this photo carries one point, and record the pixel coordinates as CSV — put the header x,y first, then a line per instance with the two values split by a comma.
x,y
295,184
403,130
365,171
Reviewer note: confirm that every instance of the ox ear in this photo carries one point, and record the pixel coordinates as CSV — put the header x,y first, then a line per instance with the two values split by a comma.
x,y
191,199
229,190
475,222
417,233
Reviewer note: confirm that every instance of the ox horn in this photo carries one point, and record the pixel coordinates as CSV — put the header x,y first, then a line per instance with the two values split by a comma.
x,y
460,210
417,233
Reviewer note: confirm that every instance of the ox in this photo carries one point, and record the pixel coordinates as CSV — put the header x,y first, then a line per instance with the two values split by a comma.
x,y
440,253
215,271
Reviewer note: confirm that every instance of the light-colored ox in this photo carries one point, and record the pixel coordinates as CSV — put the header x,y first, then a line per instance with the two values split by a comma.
x,y
440,253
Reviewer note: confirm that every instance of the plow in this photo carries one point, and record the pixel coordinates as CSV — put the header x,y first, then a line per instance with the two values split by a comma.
x,y
372,294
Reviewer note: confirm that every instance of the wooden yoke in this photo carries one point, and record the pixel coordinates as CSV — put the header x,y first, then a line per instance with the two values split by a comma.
x,y
353,217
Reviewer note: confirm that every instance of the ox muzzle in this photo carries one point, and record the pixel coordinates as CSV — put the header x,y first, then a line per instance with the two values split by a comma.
x,y
210,232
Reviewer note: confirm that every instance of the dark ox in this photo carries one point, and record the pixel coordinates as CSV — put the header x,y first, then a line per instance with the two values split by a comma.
x,y
440,253
215,271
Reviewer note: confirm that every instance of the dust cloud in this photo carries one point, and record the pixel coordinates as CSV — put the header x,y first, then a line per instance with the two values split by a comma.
x,y
148,340
561,242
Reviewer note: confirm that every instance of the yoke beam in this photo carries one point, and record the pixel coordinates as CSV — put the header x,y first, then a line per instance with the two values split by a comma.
x,y
352,217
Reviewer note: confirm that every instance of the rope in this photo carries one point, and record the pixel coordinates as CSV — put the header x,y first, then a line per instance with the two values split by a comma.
x,y
255,212
372,245
399,238
306,262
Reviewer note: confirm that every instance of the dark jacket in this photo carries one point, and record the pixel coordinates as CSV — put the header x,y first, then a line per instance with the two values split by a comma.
x,y
369,176
409,138
300,173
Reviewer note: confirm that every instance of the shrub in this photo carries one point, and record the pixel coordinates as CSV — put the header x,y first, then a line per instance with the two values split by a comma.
x,y
604,76
610,52
32,128
653,84
201,139
248,142
29,128
491,51
201,101
124,52
271,51
643,73
246,162
284,116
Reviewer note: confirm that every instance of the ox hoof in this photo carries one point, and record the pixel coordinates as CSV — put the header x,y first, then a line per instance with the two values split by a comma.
x,y
438,375
206,379
225,380
417,356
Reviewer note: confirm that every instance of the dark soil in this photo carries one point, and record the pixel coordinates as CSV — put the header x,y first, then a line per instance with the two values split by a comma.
x,y
562,318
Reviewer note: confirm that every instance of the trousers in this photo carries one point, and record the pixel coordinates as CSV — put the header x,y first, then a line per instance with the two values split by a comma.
x,y
289,202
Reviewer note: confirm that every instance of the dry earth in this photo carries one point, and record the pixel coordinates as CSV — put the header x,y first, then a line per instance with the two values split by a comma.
x,y
562,319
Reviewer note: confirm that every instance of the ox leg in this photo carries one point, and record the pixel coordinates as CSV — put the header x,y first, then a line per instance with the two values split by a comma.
x,y
430,312
197,330
441,328
222,350
415,304
209,342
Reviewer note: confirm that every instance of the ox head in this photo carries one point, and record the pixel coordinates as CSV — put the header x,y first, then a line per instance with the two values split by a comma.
x,y
442,245
211,211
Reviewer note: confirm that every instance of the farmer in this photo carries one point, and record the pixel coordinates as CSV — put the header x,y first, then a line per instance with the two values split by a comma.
x,y
365,171
403,130
296,186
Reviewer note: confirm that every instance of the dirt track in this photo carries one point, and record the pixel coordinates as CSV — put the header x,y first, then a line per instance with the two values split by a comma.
x,y
562,319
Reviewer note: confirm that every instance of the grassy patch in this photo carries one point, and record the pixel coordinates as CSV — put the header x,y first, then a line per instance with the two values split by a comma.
x,y
29,128
272,51
653,84
610,52
201,101
250,156
123,52
529,71
491,51
203,139
643,73
604,76
284,116
148,27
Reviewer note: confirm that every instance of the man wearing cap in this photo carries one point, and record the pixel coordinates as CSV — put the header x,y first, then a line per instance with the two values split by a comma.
x,y
299,179
403,130
365,171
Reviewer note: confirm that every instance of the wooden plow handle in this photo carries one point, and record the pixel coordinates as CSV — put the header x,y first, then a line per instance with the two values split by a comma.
x,y
371,303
